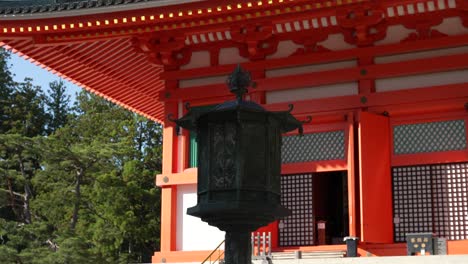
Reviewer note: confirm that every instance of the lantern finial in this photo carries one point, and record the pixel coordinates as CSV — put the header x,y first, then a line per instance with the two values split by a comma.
x,y
238,82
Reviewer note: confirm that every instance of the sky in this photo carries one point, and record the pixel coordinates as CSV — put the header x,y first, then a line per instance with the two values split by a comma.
x,y
22,68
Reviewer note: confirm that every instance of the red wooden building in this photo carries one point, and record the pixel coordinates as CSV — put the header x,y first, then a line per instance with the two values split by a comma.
x,y
385,82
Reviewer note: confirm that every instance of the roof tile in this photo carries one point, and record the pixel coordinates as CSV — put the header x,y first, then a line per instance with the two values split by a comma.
x,y
8,7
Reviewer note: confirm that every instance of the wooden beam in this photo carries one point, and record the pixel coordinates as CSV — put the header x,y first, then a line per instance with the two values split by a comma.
x,y
402,97
376,71
323,57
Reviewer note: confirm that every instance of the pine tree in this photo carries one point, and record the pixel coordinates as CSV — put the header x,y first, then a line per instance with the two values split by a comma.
x,y
6,88
75,188
26,111
58,104
96,183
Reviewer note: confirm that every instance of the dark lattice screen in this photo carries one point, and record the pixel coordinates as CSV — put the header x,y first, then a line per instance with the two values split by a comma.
x,y
429,137
296,195
450,200
412,207
313,147
431,198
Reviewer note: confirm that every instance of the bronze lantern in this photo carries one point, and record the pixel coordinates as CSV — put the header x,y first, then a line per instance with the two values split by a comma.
x,y
239,165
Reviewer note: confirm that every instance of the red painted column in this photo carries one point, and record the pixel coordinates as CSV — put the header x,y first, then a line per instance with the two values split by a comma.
x,y
169,166
375,179
169,193
351,177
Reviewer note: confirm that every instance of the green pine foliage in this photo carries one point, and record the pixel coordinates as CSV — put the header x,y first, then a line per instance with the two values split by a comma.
x,y
58,105
76,183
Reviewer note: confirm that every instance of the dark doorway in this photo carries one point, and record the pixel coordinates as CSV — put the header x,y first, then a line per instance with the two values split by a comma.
x,y
314,197
330,200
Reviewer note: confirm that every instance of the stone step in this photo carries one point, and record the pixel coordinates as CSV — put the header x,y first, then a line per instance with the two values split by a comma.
x,y
436,259
309,254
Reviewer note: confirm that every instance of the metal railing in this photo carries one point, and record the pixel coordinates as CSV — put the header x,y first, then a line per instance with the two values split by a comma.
x,y
216,256
261,244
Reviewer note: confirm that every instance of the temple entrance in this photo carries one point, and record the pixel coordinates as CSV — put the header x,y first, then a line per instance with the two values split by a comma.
x,y
330,199
314,198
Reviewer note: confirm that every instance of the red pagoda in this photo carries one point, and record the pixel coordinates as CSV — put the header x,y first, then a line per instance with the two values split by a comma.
x,y
385,83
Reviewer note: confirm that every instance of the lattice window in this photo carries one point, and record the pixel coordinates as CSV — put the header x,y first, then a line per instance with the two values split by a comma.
x,y
412,194
450,200
431,198
296,195
429,137
313,147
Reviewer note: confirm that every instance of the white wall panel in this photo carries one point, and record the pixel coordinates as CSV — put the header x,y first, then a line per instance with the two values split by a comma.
x,y
310,68
421,55
199,59
395,34
201,81
421,81
452,26
230,56
336,42
325,91
285,49
192,233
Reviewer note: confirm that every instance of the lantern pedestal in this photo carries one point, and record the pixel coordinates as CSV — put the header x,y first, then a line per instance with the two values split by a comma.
x,y
237,249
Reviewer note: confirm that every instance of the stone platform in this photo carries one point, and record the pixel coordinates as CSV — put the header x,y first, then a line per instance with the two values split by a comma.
x,y
447,259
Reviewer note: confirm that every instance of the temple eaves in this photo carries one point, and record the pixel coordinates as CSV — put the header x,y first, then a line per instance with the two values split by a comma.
x,y
11,9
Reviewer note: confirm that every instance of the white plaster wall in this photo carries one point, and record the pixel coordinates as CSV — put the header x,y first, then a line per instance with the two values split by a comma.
x,y
421,55
421,81
230,56
395,34
192,233
336,42
324,91
452,26
199,59
285,49
201,81
310,68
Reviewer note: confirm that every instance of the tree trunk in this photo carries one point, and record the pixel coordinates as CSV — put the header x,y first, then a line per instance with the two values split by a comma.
x,y
27,199
13,199
76,208
27,192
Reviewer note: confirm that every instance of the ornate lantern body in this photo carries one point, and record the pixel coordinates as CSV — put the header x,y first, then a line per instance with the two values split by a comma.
x,y
239,165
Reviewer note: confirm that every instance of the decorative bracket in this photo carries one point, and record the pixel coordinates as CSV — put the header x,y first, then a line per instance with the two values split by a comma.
x,y
423,27
463,6
310,43
364,24
257,40
166,50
